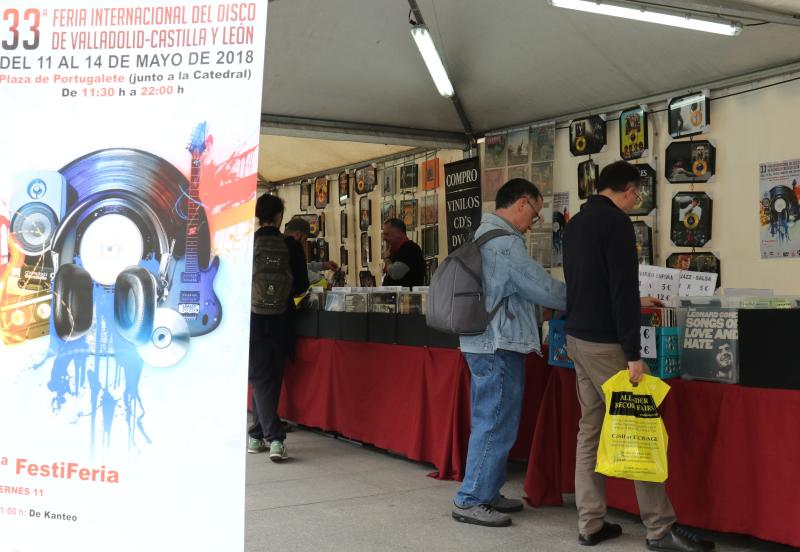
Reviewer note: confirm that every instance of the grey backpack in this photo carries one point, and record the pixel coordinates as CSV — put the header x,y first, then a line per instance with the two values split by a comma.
x,y
456,302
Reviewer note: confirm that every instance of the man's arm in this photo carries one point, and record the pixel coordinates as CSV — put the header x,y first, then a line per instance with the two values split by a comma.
x,y
623,281
297,263
533,282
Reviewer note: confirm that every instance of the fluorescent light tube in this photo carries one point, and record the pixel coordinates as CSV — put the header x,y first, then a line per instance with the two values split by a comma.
x,y
721,26
422,37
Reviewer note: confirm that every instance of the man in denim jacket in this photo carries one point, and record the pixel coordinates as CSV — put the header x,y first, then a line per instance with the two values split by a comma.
x,y
513,284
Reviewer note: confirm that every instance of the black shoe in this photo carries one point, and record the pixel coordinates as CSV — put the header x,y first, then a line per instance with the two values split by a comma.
x,y
609,531
680,539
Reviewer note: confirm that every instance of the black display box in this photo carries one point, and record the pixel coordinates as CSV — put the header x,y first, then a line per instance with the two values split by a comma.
x,y
768,355
330,324
354,326
307,323
442,340
412,330
382,327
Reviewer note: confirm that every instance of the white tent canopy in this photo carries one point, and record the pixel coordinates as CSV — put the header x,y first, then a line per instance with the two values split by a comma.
x,y
351,65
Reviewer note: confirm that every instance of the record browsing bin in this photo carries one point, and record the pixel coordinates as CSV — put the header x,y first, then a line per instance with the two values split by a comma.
x,y
394,316
667,362
557,339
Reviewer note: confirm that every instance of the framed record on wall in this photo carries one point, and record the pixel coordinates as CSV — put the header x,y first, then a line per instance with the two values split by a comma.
x,y
494,151
305,196
344,188
323,253
646,197
689,115
431,174
370,177
366,249
409,177
361,181
388,180
366,279
430,241
388,210
429,209
364,213
696,262
321,192
587,178
691,219
408,213
343,225
691,161
644,242
633,133
587,136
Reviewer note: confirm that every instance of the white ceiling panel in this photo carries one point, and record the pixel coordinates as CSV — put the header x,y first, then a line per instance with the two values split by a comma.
x,y
511,61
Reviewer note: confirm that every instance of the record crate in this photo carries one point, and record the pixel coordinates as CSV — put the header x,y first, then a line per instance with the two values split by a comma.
x,y
557,339
667,362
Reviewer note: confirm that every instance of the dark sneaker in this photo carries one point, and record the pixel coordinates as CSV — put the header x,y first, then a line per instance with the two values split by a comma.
x,y
609,531
681,539
277,451
481,515
507,505
254,446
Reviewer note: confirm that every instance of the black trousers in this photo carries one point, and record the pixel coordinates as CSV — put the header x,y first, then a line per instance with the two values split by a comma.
x,y
268,356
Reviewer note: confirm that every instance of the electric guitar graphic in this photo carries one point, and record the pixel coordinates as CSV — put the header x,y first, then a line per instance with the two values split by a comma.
x,y
192,290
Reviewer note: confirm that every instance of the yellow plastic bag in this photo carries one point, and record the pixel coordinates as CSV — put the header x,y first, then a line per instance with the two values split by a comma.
x,y
633,441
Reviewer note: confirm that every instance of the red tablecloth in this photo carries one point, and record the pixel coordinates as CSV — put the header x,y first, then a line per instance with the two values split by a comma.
x,y
410,400
734,455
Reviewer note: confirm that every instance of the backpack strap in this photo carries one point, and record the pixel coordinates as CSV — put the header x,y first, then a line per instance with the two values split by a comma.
x,y
487,237
490,235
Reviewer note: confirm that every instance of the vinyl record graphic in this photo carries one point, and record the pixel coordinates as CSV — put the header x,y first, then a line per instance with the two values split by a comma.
x,y
782,202
169,341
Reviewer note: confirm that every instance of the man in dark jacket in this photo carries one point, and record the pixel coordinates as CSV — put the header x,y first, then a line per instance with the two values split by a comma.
x,y
404,261
272,341
603,318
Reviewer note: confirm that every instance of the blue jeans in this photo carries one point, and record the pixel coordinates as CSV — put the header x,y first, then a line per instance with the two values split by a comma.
x,y
497,383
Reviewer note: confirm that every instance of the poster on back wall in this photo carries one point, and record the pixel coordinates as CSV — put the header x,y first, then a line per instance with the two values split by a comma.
x,y
130,151
779,209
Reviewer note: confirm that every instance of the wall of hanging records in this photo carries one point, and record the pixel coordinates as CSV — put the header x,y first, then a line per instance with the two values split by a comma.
x,y
346,210
527,153
673,160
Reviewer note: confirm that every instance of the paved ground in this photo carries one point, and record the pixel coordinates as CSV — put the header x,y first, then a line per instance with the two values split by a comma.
x,y
335,495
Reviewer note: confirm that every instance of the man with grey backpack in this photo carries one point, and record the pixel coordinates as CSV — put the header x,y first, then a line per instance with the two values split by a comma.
x,y
279,273
490,300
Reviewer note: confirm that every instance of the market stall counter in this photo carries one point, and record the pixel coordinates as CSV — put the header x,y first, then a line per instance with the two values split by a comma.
x,y
410,400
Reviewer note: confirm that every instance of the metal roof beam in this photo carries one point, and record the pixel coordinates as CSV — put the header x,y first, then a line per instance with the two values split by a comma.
x,y
304,127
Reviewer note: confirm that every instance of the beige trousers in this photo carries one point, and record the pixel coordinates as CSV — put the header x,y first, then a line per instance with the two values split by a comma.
x,y
594,364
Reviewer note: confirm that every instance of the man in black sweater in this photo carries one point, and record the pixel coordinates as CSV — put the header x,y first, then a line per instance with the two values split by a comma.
x,y
603,319
404,261
272,341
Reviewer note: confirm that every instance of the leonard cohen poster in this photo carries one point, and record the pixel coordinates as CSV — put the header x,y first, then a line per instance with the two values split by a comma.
x,y
130,151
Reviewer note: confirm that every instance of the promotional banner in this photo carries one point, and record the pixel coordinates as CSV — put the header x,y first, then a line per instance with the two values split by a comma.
x,y
779,209
462,196
130,152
